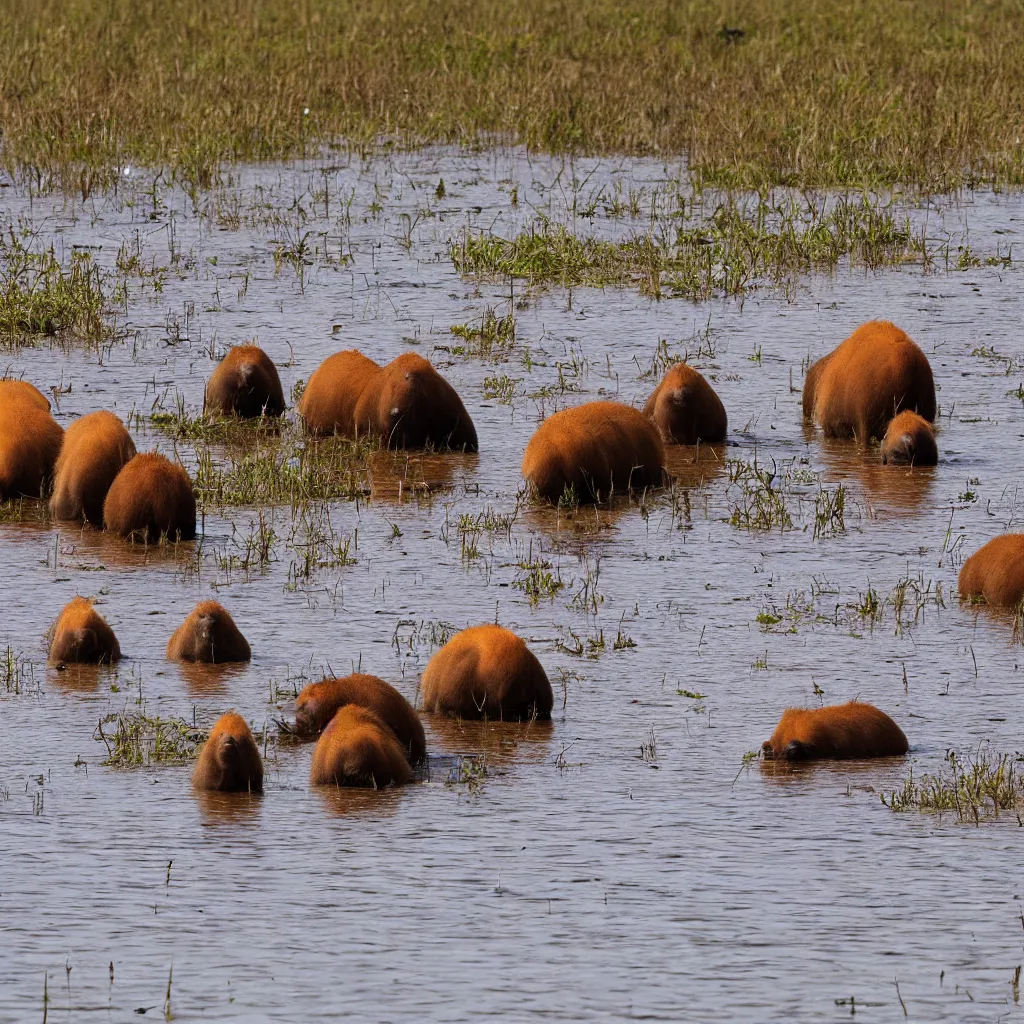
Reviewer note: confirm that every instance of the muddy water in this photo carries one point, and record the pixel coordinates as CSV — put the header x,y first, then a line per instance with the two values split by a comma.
x,y
620,863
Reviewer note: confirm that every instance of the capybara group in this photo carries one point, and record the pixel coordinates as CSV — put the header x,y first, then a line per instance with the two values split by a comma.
x,y
995,572
230,761
909,441
245,383
81,635
151,497
30,440
686,409
208,635
839,732
358,749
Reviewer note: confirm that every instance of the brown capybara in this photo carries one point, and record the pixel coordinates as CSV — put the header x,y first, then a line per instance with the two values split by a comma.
x,y
95,449
209,635
82,636
245,384
909,441
840,732
595,448
30,440
995,572
230,760
873,375
328,404
317,704
686,408
486,672
20,391
358,749
150,498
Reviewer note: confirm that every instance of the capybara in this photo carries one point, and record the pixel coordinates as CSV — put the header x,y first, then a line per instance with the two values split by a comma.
x,y
995,572
230,760
81,635
20,391
30,440
151,497
358,749
328,404
860,386
317,703
909,441
246,384
839,732
210,635
686,408
486,672
594,448
95,449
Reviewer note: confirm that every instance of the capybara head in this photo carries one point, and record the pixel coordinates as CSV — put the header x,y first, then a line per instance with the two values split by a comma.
x,y
95,449
20,391
328,403
210,635
686,409
358,749
80,635
150,498
245,383
995,572
486,672
909,441
842,732
230,760
30,441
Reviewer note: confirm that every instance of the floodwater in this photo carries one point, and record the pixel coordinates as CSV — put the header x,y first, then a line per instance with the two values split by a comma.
x,y
620,863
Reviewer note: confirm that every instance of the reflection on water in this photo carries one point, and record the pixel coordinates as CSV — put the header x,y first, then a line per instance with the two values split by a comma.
x,y
228,809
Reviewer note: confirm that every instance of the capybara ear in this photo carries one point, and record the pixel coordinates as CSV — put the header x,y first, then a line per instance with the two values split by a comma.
x,y
245,383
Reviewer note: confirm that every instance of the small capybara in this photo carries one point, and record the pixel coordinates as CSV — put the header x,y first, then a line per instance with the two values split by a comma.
x,y
873,375
82,636
328,404
909,441
686,408
317,704
358,749
209,635
95,449
30,440
486,672
995,572
840,732
151,497
594,448
230,760
20,391
245,383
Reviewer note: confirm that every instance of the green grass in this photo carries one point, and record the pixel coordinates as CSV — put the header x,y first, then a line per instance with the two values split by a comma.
x,y
135,740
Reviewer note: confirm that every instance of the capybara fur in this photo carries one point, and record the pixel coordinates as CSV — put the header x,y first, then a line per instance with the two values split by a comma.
x,y
486,672
860,386
30,440
686,408
245,383
82,636
358,749
208,635
317,704
95,449
328,404
230,761
20,391
151,497
594,448
840,732
909,441
995,572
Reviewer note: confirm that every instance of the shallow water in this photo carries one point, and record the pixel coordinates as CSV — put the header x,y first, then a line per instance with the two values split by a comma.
x,y
587,878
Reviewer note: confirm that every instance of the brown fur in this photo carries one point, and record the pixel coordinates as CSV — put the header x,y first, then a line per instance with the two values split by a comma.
x,y
328,404
686,408
20,391
230,761
30,441
208,635
150,497
909,441
486,672
80,635
95,449
317,704
873,375
358,749
595,448
841,732
245,383
995,572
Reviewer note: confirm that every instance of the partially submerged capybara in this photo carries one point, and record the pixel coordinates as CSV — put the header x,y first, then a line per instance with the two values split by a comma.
x,y
909,441
840,732
210,635
358,749
20,391
95,449
317,704
686,408
873,375
486,672
995,572
328,404
594,448
30,440
81,635
245,383
230,760
151,497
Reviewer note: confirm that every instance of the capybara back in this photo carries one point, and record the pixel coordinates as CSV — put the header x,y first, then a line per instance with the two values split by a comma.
x,y
328,404
995,572
245,383
358,749
30,441
82,636
686,409
909,441
151,497
208,635
230,761
841,731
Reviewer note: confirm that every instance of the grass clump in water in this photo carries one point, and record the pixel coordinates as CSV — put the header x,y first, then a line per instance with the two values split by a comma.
x,y
138,740
16,673
492,339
